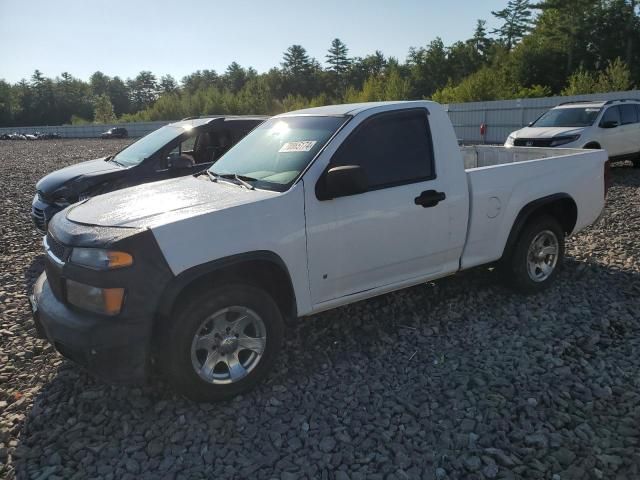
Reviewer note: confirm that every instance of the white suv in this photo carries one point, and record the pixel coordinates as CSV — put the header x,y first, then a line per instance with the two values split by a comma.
x,y
613,125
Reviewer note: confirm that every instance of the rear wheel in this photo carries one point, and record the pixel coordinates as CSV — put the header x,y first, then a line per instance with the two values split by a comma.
x,y
537,255
222,342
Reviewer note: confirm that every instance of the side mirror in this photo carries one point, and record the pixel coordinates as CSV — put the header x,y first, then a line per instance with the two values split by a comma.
x,y
179,162
609,124
341,182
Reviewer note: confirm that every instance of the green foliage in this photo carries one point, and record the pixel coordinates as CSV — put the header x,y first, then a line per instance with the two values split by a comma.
x,y
551,47
77,120
380,88
616,77
103,111
488,84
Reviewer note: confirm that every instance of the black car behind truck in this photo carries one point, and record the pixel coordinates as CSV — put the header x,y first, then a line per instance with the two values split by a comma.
x,y
175,150
115,132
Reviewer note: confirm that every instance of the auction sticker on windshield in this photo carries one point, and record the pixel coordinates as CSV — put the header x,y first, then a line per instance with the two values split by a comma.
x,y
302,146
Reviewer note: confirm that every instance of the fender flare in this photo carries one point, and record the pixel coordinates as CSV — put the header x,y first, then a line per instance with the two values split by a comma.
x,y
177,285
525,214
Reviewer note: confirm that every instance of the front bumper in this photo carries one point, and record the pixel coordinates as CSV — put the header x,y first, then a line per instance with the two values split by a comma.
x,y
42,212
114,349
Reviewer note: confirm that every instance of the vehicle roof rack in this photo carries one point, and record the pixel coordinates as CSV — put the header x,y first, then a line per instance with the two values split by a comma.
x,y
580,101
226,117
608,102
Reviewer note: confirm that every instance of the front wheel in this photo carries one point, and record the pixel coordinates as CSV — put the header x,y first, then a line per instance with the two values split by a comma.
x,y
222,342
537,255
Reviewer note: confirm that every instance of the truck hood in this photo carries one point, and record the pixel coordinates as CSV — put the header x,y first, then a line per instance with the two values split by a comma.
x,y
158,203
547,132
77,178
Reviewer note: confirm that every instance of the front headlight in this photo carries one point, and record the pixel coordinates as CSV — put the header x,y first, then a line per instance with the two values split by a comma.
x,y
107,301
510,141
99,259
557,141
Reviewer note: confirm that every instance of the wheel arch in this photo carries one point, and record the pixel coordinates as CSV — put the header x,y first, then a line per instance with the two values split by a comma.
x,y
262,268
561,206
593,145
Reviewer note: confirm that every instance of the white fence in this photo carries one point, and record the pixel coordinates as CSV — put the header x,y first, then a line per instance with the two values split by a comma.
x,y
135,129
501,117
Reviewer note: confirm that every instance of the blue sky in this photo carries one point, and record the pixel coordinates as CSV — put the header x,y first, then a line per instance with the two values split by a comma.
x,y
178,37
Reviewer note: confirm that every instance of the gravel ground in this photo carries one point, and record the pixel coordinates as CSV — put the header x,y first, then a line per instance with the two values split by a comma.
x,y
457,379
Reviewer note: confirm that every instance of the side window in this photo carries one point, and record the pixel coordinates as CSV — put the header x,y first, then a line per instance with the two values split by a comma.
x,y
628,114
612,114
392,148
188,144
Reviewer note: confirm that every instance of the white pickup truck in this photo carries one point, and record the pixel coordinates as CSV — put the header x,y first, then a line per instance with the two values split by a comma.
x,y
314,209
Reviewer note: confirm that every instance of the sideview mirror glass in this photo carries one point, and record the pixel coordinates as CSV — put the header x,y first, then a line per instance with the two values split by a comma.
x,y
341,182
609,124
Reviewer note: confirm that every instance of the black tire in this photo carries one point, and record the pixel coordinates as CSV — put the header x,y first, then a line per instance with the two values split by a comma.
x,y
176,355
515,266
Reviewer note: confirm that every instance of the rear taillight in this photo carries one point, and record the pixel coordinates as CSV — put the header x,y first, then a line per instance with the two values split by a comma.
x,y
607,177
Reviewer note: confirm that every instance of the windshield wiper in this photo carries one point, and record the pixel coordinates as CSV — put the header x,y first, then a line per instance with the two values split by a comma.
x,y
113,159
241,179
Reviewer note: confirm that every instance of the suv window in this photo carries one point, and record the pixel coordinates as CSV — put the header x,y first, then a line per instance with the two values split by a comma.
x,y
612,114
628,114
392,148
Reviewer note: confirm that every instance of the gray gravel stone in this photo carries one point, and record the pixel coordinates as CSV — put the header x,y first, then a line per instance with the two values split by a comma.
x,y
472,463
327,444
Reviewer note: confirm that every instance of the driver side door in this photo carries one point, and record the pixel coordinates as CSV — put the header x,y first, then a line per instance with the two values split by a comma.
x,y
386,235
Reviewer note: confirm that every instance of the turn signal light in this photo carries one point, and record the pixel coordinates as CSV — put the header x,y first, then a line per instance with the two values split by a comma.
x,y
106,301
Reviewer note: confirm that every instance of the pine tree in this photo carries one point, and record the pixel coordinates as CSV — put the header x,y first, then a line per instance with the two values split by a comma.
x,y
517,22
168,84
99,83
480,40
337,58
235,77
296,61
144,89
299,71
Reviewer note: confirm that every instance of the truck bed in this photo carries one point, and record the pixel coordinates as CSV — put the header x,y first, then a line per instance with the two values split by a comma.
x,y
478,156
502,181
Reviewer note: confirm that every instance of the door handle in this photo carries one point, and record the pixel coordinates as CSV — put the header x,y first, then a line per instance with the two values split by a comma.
x,y
429,198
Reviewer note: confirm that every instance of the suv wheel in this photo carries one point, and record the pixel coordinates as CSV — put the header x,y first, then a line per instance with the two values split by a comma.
x,y
223,342
537,255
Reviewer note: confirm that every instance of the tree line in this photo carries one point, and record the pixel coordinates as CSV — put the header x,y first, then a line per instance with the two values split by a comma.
x,y
539,49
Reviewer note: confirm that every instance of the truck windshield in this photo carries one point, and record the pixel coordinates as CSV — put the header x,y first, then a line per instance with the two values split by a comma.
x,y
568,117
147,145
273,155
